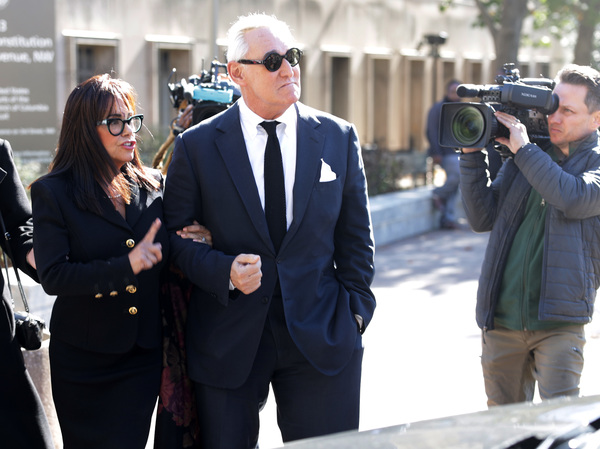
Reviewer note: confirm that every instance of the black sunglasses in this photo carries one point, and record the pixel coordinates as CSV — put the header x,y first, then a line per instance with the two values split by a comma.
x,y
117,125
273,60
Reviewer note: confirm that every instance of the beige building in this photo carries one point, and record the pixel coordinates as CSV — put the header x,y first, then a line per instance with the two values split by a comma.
x,y
368,61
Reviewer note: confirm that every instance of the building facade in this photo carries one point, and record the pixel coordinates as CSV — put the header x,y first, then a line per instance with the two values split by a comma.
x,y
373,62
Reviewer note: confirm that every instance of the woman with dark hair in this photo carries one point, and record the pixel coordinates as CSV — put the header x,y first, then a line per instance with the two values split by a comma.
x,y
23,424
100,247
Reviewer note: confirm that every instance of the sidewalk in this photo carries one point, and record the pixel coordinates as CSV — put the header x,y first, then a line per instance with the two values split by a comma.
x,y
422,348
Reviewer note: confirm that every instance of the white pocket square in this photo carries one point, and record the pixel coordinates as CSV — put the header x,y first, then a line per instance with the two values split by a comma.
x,y
327,174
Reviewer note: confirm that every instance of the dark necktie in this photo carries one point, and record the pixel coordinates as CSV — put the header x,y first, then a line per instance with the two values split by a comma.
x,y
274,186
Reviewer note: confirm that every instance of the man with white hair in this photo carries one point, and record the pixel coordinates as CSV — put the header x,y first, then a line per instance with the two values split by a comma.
x,y
283,296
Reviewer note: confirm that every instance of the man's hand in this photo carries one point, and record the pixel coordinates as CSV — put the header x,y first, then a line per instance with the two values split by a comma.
x,y
518,132
246,273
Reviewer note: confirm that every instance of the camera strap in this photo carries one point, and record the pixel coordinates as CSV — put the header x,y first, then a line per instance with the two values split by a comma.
x,y
7,239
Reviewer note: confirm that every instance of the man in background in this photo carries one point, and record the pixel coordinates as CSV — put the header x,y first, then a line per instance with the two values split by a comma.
x,y
444,197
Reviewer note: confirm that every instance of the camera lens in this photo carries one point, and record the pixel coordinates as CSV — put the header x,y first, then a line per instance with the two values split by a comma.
x,y
468,126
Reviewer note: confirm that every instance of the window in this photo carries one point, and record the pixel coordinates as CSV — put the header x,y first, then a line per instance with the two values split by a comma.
x,y
170,59
340,88
95,60
381,95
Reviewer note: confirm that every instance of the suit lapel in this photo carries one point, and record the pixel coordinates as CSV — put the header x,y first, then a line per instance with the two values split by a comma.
x,y
109,213
308,163
135,208
233,150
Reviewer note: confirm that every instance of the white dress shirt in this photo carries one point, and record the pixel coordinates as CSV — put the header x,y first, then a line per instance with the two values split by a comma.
x,y
255,137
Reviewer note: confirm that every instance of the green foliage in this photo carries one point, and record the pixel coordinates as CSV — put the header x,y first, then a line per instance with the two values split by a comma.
x,y
382,171
568,21
575,20
556,17
151,142
386,170
29,171
492,8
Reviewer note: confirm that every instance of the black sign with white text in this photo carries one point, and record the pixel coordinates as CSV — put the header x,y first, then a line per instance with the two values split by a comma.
x,y
28,76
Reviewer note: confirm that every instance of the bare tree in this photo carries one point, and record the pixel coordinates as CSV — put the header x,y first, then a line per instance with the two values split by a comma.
x,y
504,20
505,27
587,15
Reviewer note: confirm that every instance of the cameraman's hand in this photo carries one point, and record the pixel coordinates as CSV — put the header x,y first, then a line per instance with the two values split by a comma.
x,y
471,150
184,120
518,132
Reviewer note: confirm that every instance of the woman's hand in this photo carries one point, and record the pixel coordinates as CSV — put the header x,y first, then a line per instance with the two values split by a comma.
x,y
146,253
196,232
31,258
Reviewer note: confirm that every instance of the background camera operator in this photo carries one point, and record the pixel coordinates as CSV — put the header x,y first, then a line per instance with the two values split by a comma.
x,y
540,273
196,99
183,120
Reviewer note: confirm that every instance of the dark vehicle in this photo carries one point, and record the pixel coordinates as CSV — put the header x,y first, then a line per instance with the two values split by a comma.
x,y
565,423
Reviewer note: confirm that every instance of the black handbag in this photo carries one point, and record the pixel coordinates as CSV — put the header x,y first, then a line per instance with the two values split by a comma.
x,y
29,330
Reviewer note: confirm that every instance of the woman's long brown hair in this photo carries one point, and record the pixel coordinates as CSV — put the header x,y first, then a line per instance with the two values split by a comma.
x,y
80,153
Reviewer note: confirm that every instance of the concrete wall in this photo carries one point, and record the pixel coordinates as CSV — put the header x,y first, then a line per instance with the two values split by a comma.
x,y
403,214
365,61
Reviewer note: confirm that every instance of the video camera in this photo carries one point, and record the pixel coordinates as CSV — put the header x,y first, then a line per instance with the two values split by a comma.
x,y
473,125
210,92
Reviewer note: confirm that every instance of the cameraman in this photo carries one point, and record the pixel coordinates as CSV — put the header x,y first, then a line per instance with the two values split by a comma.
x,y
541,269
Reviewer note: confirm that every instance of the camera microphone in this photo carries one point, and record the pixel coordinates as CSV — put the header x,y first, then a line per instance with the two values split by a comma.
x,y
468,90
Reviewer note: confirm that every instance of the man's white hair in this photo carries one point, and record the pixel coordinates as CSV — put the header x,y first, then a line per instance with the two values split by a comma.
x,y
237,47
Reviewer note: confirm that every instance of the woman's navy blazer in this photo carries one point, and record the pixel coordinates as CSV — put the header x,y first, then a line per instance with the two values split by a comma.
x,y
82,258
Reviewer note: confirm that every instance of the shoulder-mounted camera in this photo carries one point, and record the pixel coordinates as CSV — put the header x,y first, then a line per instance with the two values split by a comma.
x,y
210,92
473,125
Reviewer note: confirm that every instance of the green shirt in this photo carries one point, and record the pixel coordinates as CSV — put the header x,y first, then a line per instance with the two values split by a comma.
x,y
519,300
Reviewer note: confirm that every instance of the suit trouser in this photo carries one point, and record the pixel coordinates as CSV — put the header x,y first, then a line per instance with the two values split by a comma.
x,y
309,403
449,191
513,360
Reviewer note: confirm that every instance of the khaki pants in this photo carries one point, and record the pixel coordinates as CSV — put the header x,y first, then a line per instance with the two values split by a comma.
x,y
513,361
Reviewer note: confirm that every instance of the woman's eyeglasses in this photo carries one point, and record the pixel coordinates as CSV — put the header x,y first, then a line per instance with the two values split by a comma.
x,y
117,125
273,60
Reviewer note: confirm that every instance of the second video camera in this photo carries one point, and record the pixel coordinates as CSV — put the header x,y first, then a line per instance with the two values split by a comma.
x,y
473,125
209,93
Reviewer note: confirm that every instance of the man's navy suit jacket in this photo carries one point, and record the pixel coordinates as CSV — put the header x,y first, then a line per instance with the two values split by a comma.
x,y
325,263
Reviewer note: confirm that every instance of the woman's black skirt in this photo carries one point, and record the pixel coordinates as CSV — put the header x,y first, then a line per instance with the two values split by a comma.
x,y
104,400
